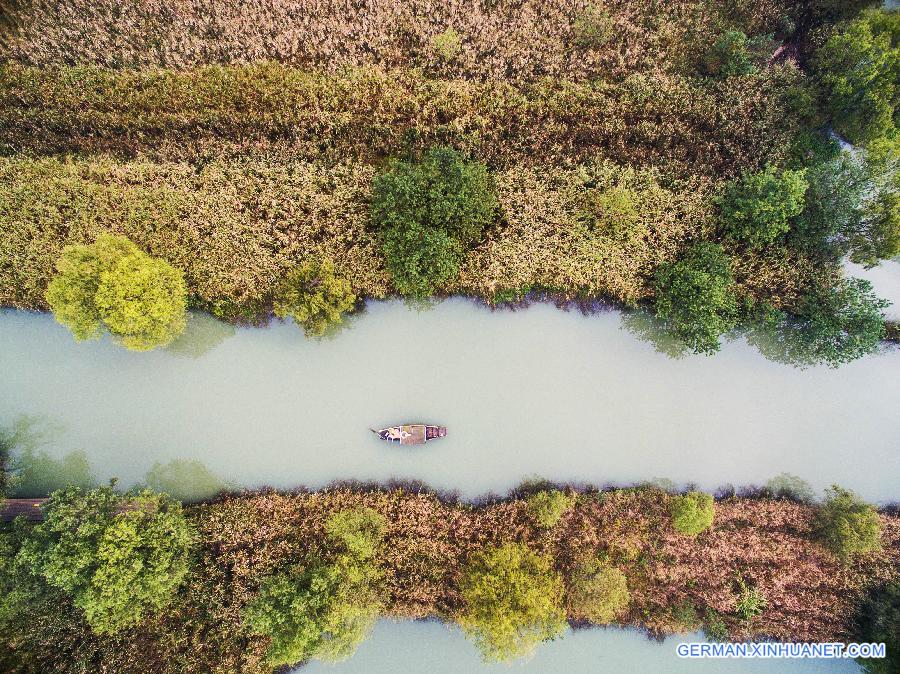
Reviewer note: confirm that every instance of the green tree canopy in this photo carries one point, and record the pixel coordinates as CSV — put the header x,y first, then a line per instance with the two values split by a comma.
x,y
112,285
852,205
429,212
547,507
315,296
359,530
879,622
597,592
323,611
858,68
117,557
695,297
692,513
832,324
512,601
847,525
757,209
730,55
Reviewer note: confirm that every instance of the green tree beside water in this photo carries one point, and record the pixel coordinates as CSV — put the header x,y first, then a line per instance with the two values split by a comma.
x,y
118,557
859,69
324,609
831,324
111,285
512,600
695,297
315,296
692,513
847,525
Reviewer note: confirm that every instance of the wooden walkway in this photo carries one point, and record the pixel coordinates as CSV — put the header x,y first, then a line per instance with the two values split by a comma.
x,y
29,508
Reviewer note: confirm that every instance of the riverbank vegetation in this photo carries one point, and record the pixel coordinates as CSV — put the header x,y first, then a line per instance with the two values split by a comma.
x,y
254,581
425,159
111,285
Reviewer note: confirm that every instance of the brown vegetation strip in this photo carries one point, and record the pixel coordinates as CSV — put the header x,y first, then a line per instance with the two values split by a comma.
x,y
681,125
497,39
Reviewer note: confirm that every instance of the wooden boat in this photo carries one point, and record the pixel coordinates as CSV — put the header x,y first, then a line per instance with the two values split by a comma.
x,y
411,434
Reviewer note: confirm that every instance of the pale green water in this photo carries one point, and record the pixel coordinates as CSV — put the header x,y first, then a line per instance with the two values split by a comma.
x,y
433,648
885,279
536,392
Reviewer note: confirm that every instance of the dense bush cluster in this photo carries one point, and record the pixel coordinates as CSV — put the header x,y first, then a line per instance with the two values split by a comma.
x,y
315,296
112,285
597,592
429,212
756,210
696,297
692,513
547,507
325,609
513,600
859,68
847,525
118,558
254,582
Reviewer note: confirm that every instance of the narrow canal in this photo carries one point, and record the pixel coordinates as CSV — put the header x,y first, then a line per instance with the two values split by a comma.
x,y
537,392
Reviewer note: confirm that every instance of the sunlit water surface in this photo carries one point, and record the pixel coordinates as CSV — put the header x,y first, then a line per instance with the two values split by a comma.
x,y
433,648
538,392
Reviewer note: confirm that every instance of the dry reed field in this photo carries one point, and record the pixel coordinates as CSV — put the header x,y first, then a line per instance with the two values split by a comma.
x,y
488,39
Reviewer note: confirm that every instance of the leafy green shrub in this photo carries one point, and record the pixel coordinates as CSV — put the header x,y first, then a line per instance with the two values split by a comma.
x,y
548,507
695,297
852,206
597,592
512,600
119,558
111,284
359,530
314,296
757,209
790,486
324,611
446,45
429,212
832,325
750,603
614,211
714,626
847,525
879,622
729,56
692,513
685,616
593,27
858,68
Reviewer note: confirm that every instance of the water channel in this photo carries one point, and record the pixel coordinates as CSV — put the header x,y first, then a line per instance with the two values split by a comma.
x,y
537,392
